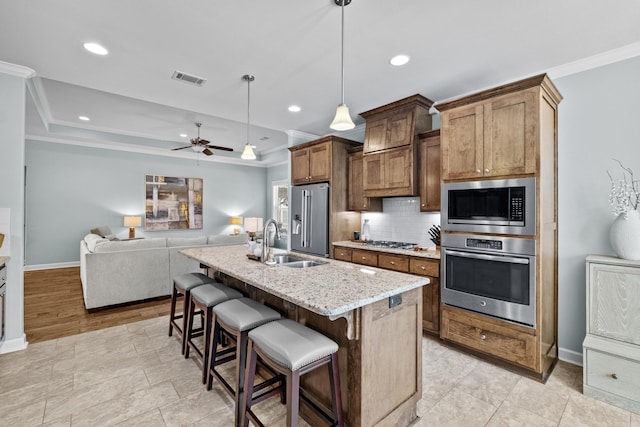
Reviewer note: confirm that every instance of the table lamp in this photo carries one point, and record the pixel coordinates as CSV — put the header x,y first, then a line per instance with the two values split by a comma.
x,y
236,220
252,225
132,222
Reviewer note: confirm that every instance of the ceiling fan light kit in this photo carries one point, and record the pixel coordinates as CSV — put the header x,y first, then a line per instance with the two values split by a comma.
x,y
200,145
248,153
342,120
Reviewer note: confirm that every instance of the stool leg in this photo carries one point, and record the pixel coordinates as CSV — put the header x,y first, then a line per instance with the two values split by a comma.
x,y
186,333
207,343
213,352
174,297
250,375
185,319
336,391
293,398
241,360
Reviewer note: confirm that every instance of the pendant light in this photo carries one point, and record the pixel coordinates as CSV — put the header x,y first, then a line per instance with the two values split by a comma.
x,y
248,153
342,120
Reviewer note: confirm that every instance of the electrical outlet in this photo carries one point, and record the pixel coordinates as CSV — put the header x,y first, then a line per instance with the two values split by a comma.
x,y
395,300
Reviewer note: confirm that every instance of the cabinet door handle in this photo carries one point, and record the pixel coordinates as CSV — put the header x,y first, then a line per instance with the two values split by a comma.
x,y
422,204
341,253
393,263
423,268
477,170
614,376
364,257
483,337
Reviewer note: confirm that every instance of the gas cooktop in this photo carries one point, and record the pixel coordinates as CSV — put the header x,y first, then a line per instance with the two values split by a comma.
x,y
389,244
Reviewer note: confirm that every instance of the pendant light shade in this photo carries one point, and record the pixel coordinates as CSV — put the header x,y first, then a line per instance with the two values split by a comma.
x,y
248,153
342,120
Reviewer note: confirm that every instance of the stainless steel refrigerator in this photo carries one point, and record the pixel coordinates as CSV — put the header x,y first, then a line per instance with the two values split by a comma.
x,y
310,219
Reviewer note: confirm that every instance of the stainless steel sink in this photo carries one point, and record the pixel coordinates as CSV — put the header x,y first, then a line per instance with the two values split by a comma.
x,y
303,264
286,258
293,261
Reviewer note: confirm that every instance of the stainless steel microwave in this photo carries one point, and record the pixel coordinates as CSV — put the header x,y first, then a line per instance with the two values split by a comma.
x,y
502,206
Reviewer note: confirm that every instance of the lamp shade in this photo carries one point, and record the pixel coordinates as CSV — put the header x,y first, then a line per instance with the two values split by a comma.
x,y
235,220
253,225
342,120
132,221
248,153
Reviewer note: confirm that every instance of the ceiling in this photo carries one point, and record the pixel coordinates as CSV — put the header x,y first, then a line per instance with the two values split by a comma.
x,y
292,48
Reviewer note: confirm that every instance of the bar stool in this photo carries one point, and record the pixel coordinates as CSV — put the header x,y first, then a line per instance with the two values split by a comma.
x,y
182,286
293,350
204,298
236,318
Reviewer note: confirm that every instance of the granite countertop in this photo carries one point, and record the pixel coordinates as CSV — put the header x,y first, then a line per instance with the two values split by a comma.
x,y
329,290
428,253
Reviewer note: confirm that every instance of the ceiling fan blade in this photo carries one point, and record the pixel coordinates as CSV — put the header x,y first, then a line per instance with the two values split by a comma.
x,y
217,147
181,148
207,152
202,141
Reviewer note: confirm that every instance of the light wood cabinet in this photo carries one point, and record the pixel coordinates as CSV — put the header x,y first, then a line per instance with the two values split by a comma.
x,y
406,264
509,132
311,164
364,257
429,171
357,201
327,160
494,133
390,173
611,348
512,343
390,143
430,294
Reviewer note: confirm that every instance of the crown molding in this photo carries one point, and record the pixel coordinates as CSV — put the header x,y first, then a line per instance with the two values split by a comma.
x,y
595,61
16,70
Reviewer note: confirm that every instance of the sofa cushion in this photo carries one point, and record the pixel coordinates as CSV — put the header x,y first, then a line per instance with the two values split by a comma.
x,y
104,231
223,239
186,241
93,240
131,245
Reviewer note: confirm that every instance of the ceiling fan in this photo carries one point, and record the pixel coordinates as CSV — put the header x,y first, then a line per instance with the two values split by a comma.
x,y
200,145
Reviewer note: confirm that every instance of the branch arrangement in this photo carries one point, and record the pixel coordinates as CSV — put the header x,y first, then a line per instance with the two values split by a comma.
x,y
625,193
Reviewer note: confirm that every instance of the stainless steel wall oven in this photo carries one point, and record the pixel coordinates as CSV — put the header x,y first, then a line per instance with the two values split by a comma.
x,y
490,275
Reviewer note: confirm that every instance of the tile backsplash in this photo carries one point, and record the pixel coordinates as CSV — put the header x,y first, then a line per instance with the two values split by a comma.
x,y
402,221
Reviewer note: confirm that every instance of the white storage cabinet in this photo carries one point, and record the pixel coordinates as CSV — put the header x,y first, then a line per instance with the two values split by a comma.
x,y
611,348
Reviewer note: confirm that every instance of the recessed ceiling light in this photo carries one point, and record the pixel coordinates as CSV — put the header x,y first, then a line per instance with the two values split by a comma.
x,y
83,118
183,135
95,48
399,60
294,108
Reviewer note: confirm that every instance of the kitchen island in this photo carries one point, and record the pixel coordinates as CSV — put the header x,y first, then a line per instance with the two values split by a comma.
x,y
374,315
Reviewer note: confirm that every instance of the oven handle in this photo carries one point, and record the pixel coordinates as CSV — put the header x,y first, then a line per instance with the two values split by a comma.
x,y
510,260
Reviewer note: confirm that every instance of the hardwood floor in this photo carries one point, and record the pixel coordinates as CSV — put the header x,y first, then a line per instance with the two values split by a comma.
x,y
54,307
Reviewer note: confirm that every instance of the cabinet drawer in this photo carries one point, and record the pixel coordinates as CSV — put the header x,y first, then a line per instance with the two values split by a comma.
x,y
343,254
393,262
491,336
424,267
613,374
364,257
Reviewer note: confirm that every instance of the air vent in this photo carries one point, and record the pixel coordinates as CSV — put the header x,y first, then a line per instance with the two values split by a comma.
x,y
188,78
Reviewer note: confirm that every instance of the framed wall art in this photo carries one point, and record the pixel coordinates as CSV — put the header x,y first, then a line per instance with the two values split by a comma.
x,y
173,203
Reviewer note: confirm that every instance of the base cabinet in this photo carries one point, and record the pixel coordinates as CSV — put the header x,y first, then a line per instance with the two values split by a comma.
x,y
611,348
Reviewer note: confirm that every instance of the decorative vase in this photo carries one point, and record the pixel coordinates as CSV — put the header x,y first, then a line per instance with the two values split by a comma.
x,y
625,235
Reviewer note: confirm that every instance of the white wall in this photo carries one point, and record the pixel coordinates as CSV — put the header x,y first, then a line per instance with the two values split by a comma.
x,y
599,119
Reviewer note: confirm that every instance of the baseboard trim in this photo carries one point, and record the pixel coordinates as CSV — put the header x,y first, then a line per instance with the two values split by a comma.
x,y
36,267
14,345
570,356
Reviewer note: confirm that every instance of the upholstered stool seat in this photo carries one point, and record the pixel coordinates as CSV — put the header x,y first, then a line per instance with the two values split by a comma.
x,y
182,286
236,318
204,298
292,349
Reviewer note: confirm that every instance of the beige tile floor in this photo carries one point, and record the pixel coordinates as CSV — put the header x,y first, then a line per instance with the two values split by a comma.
x,y
133,375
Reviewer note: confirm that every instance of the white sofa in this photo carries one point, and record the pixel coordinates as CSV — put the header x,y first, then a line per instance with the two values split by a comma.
x,y
116,272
